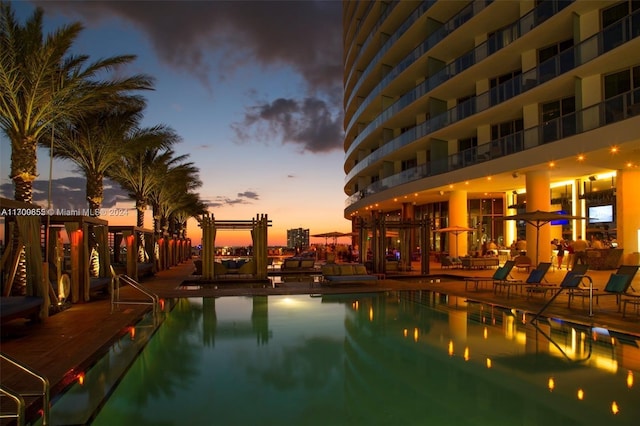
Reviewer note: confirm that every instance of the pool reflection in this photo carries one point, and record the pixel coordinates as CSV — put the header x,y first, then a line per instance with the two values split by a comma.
x,y
395,358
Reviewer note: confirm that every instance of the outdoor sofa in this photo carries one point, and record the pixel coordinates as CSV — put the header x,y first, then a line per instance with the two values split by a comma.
x,y
479,262
229,270
293,264
347,272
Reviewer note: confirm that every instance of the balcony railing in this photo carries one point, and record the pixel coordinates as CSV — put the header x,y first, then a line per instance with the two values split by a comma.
x,y
522,26
434,38
625,30
610,111
370,37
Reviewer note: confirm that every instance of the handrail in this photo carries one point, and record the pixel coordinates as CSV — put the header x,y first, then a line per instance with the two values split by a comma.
x,y
115,293
590,292
44,394
19,400
574,280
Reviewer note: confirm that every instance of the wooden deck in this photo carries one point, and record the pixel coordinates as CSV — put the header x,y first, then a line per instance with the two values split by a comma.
x,y
72,340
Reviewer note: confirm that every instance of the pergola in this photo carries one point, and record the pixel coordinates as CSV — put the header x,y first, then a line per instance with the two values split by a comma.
x,y
258,228
373,233
140,250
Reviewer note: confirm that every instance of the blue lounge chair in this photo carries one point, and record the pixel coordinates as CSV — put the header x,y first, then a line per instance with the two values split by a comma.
x,y
617,285
571,282
501,274
580,269
535,278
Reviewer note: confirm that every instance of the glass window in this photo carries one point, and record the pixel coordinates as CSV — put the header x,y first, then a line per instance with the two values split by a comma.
x,y
467,143
616,84
558,119
614,13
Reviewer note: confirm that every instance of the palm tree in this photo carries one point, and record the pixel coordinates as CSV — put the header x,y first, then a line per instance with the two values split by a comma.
x,y
180,180
188,205
43,84
137,170
96,141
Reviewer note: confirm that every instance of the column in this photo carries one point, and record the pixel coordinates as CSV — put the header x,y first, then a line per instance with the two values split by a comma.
x,y
538,184
627,215
458,216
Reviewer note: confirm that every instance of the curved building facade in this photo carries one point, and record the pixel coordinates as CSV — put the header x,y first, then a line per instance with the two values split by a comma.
x,y
462,113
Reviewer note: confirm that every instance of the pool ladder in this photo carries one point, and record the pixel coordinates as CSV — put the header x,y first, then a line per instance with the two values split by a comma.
x,y
19,397
575,277
154,300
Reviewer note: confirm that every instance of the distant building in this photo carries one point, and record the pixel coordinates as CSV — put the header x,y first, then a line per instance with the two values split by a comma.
x,y
463,113
298,238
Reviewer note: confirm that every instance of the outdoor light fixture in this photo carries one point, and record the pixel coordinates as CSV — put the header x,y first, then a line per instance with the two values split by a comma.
x,y
592,178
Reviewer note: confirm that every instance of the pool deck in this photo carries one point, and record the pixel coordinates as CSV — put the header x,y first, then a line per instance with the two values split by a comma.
x,y
73,339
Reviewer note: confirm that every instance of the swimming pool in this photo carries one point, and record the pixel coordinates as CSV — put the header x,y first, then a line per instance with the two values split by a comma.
x,y
396,358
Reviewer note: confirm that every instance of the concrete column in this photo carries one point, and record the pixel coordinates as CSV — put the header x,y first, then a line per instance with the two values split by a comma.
x,y
458,216
538,198
628,215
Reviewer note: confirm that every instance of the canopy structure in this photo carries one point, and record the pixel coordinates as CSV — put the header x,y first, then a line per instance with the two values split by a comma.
x,y
539,218
456,230
258,228
334,234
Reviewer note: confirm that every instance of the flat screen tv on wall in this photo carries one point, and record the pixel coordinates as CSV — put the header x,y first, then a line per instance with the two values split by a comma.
x,y
601,214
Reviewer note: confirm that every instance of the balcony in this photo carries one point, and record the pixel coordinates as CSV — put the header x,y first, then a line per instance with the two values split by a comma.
x,y
621,107
624,30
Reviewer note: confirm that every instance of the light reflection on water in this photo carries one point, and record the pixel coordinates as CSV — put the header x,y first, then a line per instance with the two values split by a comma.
x,y
379,359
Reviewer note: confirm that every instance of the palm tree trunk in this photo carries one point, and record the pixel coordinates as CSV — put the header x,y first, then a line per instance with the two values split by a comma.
x,y
95,192
23,173
140,209
24,168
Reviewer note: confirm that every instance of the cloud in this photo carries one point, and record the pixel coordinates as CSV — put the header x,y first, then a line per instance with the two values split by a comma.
x,y
246,197
249,194
205,38
310,124
305,35
69,193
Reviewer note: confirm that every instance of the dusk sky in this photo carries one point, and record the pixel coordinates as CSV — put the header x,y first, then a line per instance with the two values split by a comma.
x,y
253,88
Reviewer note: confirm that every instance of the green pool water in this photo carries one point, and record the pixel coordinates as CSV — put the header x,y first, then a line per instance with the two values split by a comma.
x,y
398,358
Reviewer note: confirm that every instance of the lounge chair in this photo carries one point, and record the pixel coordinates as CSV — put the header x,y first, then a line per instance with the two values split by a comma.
x,y
448,262
15,307
617,285
501,274
544,288
535,278
571,282
523,262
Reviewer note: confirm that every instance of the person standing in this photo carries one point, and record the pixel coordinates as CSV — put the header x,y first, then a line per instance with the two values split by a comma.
x,y
560,255
579,251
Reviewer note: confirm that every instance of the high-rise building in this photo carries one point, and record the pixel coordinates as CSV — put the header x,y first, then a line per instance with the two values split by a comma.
x,y
298,238
465,112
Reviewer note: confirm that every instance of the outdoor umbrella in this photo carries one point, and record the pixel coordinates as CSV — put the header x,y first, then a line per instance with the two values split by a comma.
x,y
456,230
335,235
540,218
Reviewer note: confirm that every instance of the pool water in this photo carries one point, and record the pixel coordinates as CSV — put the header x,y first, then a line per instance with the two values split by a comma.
x,y
397,358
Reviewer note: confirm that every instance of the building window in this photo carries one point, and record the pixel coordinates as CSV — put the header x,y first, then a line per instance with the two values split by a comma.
x,y
619,11
553,50
558,119
412,163
504,87
507,128
615,32
622,94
